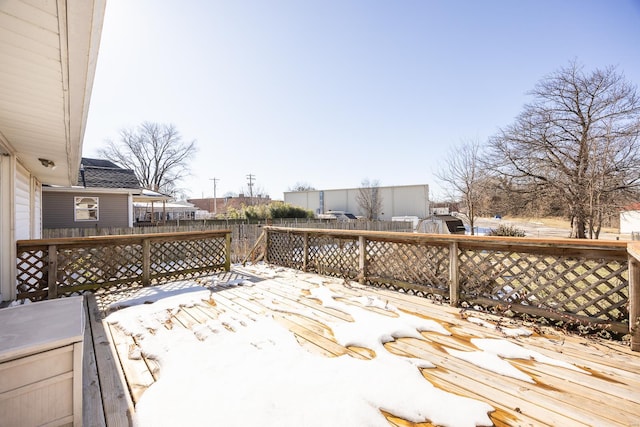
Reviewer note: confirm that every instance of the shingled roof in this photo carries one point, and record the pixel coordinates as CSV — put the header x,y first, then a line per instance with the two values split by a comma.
x,y
105,174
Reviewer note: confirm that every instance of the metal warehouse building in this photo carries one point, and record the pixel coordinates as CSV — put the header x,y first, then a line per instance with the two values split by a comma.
x,y
404,200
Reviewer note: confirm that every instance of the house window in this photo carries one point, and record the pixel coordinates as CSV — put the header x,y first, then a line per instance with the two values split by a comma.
x,y
86,208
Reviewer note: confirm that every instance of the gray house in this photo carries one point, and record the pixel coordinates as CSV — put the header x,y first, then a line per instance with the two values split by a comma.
x,y
104,196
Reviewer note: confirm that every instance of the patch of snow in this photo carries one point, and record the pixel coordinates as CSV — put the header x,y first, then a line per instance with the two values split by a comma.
x,y
490,362
510,350
260,375
369,301
242,371
19,302
215,281
154,293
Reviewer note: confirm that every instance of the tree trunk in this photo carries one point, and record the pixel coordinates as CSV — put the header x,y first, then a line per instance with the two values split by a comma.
x,y
578,227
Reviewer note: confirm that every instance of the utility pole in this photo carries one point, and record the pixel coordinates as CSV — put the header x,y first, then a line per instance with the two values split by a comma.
x,y
251,178
215,198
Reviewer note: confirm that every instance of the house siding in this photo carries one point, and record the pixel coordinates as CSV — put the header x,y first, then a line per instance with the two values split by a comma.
x,y
58,210
22,203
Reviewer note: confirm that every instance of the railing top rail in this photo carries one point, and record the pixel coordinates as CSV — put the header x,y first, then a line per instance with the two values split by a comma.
x,y
122,237
616,246
633,249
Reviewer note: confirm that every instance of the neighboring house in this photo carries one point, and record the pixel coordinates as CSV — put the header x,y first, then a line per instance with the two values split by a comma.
x,y
102,197
403,200
105,196
48,52
630,219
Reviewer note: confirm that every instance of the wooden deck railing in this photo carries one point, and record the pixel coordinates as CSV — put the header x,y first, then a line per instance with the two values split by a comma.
x,y
48,268
634,294
577,281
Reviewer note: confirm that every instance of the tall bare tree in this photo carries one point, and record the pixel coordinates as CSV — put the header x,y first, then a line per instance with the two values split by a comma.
x,y
155,152
369,199
577,139
463,176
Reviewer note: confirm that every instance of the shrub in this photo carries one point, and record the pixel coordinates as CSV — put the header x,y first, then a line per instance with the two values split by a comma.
x,y
506,230
285,210
275,210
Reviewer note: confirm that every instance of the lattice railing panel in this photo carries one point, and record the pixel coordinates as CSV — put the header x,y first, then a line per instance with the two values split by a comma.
x,y
186,258
333,256
98,265
595,288
409,263
115,262
32,274
286,249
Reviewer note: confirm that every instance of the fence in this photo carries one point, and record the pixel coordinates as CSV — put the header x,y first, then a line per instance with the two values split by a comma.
x,y
244,233
48,268
578,281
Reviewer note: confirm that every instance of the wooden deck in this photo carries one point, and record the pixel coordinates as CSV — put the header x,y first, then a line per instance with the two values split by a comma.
x,y
607,394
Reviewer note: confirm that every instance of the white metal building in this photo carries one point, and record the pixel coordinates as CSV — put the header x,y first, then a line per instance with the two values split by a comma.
x,y
404,200
630,219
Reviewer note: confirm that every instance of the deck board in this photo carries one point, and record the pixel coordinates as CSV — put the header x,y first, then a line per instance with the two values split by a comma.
x,y
559,396
92,409
116,399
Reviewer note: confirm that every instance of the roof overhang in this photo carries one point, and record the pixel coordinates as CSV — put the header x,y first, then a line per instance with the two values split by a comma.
x,y
48,53
97,190
138,194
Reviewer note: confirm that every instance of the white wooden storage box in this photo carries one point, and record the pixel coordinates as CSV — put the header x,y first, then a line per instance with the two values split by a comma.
x,y
41,363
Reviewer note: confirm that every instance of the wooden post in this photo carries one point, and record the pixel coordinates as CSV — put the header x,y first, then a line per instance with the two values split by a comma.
x,y
634,302
227,252
454,276
52,272
146,262
266,246
305,252
362,259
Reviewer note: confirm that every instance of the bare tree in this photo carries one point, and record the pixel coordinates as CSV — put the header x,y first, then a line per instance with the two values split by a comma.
x,y
463,176
577,140
155,152
302,186
369,199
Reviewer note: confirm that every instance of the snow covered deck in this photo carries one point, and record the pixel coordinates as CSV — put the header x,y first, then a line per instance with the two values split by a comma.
x,y
272,346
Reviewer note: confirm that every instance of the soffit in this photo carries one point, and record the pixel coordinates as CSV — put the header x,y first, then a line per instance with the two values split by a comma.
x,y
48,52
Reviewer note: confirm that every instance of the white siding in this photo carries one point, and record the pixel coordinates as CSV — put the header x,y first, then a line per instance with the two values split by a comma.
x,y
36,211
7,245
22,204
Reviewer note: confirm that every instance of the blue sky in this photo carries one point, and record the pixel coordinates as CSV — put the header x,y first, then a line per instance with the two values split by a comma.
x,y
330,92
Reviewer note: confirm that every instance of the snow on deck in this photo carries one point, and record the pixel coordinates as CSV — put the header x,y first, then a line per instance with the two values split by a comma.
x,y
271,346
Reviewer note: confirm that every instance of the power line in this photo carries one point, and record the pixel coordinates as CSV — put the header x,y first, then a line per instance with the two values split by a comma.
x,y
251,177
215,198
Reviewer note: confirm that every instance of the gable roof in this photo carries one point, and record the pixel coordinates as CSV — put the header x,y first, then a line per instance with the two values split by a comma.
x,y
101,163
99,173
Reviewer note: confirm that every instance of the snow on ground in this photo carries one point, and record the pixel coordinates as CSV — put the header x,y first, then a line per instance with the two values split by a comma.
x,y
238,370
